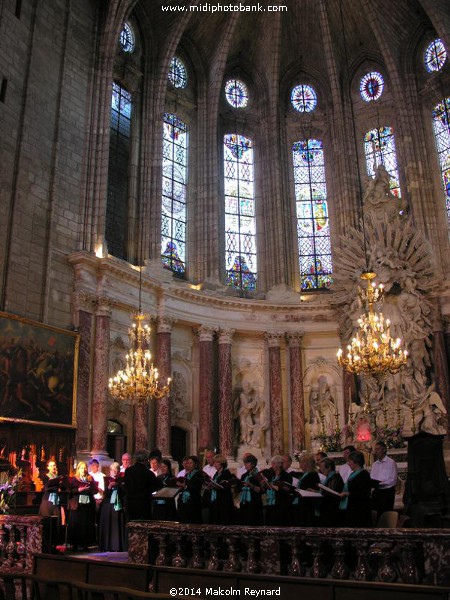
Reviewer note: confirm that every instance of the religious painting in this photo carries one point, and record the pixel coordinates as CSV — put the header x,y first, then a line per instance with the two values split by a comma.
x,y
38,368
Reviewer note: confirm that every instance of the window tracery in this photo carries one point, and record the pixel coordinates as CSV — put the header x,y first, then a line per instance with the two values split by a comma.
x,y
379,148
441,126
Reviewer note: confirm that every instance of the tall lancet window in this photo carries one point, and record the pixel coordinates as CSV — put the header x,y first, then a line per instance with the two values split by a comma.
x,y
240,221
119,157
174,188
313,223
441,126
379,148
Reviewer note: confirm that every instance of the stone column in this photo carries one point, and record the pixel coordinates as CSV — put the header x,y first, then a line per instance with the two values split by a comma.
x,y
163,363
206,388
441,369
275,390
84,306
296,390
349,390
225,393
100,377
140,425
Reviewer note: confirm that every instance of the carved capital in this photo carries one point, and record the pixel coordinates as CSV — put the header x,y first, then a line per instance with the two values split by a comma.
x,y
164,324
84,301
104,306
206,333
273,339
226,336
295,339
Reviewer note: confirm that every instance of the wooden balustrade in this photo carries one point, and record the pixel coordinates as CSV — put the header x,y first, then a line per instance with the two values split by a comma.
x,y
409,556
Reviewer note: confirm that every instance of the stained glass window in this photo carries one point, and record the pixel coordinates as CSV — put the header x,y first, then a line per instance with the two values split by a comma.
x,y
119,157
371,86
304,98
441,125
240,222
236,93
174,187
435,56
379,148
313,224
177,73
127,38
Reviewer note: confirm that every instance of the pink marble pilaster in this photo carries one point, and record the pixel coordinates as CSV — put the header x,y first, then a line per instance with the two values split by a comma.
x,y
164,365
206,388
140,425
275,391
225,393
441,370
100,376
83,383
350,391
296,390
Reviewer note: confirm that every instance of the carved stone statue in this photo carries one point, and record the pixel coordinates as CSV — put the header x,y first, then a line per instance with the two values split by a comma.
x,y
322,408
249,412
378,197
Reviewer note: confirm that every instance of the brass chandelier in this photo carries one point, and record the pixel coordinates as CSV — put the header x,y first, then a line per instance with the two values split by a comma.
x,y
139,381
373,351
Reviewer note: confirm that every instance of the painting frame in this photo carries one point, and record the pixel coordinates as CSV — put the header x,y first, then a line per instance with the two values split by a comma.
x,y
38,372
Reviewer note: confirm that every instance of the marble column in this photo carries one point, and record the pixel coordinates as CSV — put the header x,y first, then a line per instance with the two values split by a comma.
x,y
441,370
225,393
140,425
100,376
349,390
84,306
297,399
275,390
206,388
163,363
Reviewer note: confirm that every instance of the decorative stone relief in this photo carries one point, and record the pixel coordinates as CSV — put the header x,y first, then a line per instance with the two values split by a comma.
x,y
180,408
250,416
403,261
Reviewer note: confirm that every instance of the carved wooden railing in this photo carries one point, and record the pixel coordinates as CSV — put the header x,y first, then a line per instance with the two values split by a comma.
x,y
20,538
388,555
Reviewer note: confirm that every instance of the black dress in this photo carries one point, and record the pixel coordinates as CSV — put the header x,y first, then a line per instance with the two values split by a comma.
x,y
357,513
303,509
81,521
112,522
50,503
278,503
221,503
250,508
189,500
164,509
329,508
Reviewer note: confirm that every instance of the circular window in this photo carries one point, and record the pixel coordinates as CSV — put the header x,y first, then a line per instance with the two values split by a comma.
x,y
304,98
435,56
177,73
236,93
127,38
371,86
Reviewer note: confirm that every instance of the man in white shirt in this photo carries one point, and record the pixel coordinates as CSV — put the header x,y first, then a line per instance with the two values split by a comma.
x,y
384,471
345,470
209,468
126,462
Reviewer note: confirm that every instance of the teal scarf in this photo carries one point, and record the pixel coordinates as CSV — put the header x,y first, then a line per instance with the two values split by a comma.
x,y
115,499
246,495
186,495
214,492
297,499
53,498
270,494
344,502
